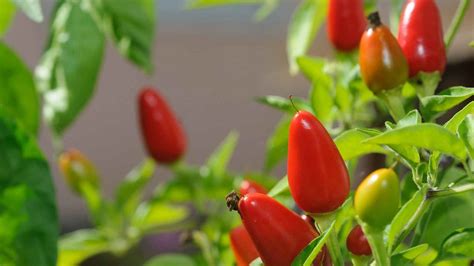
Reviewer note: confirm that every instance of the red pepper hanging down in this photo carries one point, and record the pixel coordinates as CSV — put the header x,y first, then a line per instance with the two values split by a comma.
x,y
345,23
383,65
278,233
420,35
242,246
317,176
357,243
249,186
162,133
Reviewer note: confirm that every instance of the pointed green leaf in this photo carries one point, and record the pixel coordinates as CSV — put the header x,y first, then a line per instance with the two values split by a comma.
x,y
219,159
453,123
311,67
459,243
7,13
277,144
309,253
284,104
411,118
280,187
31,8
354,138
446,99
466,133
321,98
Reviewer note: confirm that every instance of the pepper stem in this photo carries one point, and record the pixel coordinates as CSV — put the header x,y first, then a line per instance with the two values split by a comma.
x,y
375,238
374,19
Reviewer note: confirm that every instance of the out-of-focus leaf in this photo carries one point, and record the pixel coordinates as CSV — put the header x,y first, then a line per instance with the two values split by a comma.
x,y
155,214
311,67
354,138
77,246
466,133
76,46
219,159
18,92
321,98
309,253
459,243
280,187
266,9
304,26
31,8
7,13
170,259
284,104
277,144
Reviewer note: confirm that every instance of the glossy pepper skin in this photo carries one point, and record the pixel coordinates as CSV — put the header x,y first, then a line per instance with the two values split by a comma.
x,y
249,186
420,34
78,170
317,175
377,198
345,23
278,233
357,243
162,133
242,246
383,65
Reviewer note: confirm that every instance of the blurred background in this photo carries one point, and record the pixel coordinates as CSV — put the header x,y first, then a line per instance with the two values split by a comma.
x,y
210,65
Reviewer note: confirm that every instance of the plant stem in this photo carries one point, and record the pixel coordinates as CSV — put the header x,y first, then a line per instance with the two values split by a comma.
x,y
324,221
375,238
468,169
450,191
360,260
456,22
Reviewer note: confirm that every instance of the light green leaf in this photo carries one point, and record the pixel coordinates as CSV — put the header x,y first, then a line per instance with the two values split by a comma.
x,y
7,13
309,253
280,187
277,144
132,26
79,245
284,104
418,255
28,219
266,9
154,215
446,99
429,136
170,259
77,46
304,26
32,9
466,133
219,159
347,141
343,98
18,93
453,123
321,98
459,243
311,67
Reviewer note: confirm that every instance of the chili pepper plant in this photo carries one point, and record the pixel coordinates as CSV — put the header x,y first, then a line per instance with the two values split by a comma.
x,y
378,94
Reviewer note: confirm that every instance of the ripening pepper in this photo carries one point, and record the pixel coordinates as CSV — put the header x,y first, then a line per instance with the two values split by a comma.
x,y
383,65
377,198
317,175
420,34
162,133
345,23
357,243
78,170
249,186
242,246
278,233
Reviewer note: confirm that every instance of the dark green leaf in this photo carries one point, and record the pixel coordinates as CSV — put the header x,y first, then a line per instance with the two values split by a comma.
x,y
219,159
309,253
446,99
32,9
284,104
354,138
429,136
304,26
77,46
77,246
170,259
7,13
132,26
28,219
18,92
459,243
466,133
279,188
277,144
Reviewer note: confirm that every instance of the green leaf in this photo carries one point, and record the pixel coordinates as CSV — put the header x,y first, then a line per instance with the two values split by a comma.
x,y
79,245
429,136
284,104
446,99
277,144
154,215
321,98
31,8
466,133
400,225
453,123
304,26
7,13
309,253
170,259
459,243
280,187
418,255
77,46
266,9
18,92
132,27
411,118
354,138
130,190
311,67
28,218
219,159
408,153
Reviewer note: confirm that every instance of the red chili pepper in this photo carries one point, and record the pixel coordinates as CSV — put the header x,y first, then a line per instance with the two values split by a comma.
x,y
420,35
249,186
357,243
278,233
162,133
318,178
242,246
345,23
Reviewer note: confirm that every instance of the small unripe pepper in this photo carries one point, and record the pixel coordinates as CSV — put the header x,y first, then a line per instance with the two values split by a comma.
x,y
383,65
317,175
278,233
242,246
420,35
162,133
377,198
357,243
249,186
345,23
78,170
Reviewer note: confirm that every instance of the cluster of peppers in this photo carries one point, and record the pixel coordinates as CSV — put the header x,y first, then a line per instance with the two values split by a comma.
x,y
317,175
